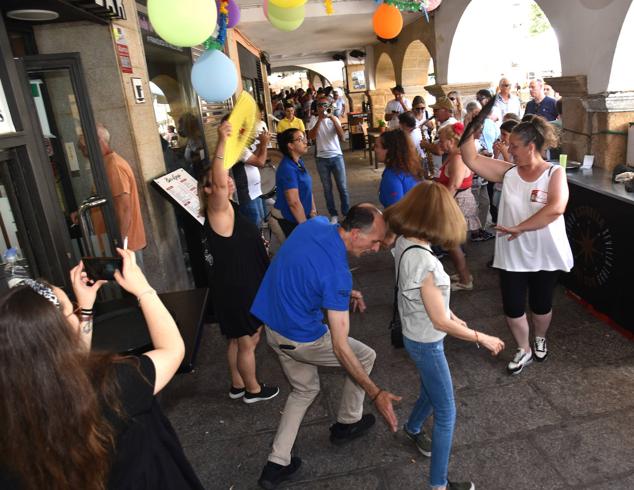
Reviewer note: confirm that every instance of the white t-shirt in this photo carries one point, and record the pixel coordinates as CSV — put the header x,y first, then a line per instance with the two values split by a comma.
x,y
395,106
546,249
417,137
415,266
253,175
327,138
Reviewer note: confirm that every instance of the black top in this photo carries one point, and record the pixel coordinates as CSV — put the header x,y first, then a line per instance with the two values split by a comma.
x,y
148,454
236,266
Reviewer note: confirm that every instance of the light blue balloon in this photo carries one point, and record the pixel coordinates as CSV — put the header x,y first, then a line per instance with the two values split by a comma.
x,y
214,76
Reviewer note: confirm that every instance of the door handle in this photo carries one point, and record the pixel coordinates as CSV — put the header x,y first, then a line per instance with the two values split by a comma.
x,y
84,220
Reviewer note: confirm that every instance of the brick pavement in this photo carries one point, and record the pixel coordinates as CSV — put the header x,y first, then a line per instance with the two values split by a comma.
x,y
566,423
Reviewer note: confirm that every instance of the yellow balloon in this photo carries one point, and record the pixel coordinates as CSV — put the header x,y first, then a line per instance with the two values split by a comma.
x,y
286,15
183,23
287,4
243,119
284,25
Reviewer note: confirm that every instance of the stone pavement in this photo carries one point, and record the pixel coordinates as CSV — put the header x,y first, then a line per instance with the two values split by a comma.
x,y
566,423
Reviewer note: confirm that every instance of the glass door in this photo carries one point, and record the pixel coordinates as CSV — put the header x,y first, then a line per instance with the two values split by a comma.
x,y
61,101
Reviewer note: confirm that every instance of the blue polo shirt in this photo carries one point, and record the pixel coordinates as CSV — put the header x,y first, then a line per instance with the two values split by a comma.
x,y
290,175
308,273
547,108
394,185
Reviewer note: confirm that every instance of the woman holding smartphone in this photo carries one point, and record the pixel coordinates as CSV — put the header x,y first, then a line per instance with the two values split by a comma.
x,y
71,418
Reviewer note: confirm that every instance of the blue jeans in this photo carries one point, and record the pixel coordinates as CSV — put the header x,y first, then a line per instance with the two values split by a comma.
x,y
436,394
253,210
334,165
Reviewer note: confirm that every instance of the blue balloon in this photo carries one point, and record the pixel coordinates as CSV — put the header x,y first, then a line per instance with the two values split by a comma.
x,y
214,76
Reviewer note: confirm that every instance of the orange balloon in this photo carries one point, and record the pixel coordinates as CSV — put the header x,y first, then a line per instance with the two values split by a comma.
x,y
387,21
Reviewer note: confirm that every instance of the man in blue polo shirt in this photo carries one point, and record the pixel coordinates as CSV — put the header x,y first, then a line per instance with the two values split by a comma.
x,y
541,105
310,272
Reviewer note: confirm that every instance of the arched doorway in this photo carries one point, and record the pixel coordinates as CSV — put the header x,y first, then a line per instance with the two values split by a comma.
x,y
415,69
385,76
514,39
621,72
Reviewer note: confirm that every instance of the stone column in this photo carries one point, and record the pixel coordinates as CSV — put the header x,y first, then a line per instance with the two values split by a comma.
x,y
594,124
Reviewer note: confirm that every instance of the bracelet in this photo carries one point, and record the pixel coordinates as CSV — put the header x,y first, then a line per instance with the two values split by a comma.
x,y
477,339
377,395
219,157
149,291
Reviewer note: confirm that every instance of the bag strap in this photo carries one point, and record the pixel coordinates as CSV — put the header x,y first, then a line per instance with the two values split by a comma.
x,y
398,275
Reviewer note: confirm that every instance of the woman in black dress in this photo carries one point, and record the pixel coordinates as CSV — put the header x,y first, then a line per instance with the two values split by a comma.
x,y
237,259
70,418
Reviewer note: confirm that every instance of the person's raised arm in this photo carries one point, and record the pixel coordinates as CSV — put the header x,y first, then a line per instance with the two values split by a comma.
x,y
555,206
450,324
219,199
85,293
169,348
486,167
339,324
312,132
338,127
258,158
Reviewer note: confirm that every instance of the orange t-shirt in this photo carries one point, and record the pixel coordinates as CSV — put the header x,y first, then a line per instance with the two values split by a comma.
x,y
122,181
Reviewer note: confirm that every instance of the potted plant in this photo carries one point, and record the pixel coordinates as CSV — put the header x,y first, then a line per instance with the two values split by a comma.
x,y
382,125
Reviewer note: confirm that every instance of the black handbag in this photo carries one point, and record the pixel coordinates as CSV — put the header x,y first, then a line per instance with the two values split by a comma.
x,y
396,329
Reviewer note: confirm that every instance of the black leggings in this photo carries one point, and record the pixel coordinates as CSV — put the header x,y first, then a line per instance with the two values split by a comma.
x,y
540,286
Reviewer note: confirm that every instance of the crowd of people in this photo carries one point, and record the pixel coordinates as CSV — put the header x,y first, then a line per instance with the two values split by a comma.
x,y
437,190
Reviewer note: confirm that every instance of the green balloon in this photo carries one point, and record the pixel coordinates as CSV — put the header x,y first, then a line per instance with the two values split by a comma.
x,y
184,23
285,14
287,26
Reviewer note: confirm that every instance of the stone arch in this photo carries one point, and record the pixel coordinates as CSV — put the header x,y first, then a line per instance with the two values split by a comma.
x,y
489,58
415,68
172,91
621,72
385,76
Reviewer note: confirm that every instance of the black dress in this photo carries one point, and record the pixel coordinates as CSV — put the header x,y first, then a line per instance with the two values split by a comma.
x,y
236,266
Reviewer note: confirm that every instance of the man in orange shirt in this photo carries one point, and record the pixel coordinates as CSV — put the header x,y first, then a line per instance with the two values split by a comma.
x,y
124,192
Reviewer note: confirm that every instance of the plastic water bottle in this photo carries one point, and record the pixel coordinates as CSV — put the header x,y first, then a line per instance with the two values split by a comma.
x,y
13,272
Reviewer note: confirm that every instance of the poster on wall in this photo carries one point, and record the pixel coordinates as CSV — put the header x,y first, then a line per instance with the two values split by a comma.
x,y
6,123
123,52
181,188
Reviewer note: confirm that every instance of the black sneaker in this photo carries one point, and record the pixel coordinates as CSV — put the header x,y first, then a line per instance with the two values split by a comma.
x,y
486,235
273,474
266,393
235,393
462,485
342,433
477,236
423,443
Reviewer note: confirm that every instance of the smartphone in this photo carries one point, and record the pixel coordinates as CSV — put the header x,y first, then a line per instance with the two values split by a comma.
x,y
99,268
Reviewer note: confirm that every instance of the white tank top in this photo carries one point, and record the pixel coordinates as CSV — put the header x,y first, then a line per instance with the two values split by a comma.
x,y
546,249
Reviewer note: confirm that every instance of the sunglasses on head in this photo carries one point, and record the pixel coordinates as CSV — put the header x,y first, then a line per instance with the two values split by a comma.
x,y
323,104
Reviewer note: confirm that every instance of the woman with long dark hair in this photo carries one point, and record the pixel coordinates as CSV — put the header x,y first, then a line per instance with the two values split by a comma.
x,y
71,418
402,165
294,202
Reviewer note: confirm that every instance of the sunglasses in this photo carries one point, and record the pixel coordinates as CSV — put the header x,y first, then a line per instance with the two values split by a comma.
x,y
505,85
323,104
451,98
302,139
418,109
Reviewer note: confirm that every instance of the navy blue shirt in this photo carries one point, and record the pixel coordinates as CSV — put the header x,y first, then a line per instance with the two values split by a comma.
x,y
291,175
309,272
547,108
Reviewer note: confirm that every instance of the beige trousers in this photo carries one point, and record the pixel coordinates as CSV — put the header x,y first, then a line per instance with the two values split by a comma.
x,y
299,361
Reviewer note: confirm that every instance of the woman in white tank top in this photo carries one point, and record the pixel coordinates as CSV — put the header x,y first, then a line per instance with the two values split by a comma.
x,y
532,246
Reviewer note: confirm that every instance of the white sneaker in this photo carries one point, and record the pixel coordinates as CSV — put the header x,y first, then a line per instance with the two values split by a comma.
x,y
540,349
334,220
520,360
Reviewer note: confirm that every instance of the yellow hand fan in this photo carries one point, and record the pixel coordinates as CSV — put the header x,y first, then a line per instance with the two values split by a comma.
x,y
243,119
